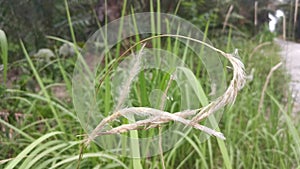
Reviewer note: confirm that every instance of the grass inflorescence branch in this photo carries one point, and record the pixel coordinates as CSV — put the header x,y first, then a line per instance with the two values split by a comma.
x,y
157,117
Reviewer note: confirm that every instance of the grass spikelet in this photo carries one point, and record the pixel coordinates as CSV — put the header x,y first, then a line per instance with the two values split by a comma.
x,y
156,117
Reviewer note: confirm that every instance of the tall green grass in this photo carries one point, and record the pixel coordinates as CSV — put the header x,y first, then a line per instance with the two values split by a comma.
x,y
4,54
45,92
267,140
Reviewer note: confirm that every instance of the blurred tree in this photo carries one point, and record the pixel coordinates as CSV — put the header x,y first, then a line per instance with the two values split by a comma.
x,y
288,7
31,20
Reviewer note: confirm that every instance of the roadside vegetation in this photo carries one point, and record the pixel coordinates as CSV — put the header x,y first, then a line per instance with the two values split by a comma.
x,y
40,129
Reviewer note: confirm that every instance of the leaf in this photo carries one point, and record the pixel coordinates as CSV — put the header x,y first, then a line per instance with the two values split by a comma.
x,y
4,55
29,148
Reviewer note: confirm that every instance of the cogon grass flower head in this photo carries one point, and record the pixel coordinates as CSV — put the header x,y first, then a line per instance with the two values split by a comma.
x,y
105,129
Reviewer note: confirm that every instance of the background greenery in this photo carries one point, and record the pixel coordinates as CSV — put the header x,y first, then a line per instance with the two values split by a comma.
x,y
38,122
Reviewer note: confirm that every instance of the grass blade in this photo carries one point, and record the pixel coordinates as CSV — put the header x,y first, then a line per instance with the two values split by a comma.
x,y
38,97
17,130
4,55
40,82
40,152
12,164
89,155
290,124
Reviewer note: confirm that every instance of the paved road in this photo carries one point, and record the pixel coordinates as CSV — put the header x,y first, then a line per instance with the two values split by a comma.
x,y
291,55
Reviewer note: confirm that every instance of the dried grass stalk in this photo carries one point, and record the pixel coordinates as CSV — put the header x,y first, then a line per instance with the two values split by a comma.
x,y
262,97
284,28
157,117
296,14
238,81
227,17
255,13
258,47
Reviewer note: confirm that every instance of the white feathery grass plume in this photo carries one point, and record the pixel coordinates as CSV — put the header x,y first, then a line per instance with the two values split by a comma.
x,y
124,92
132,73
238,81
159,117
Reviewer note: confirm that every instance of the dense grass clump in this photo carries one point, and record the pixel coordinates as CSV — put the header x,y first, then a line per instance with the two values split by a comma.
x,y
40,128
